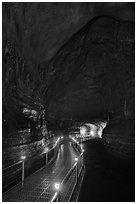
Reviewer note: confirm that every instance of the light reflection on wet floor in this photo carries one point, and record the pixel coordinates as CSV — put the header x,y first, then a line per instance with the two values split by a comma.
x,y
39,186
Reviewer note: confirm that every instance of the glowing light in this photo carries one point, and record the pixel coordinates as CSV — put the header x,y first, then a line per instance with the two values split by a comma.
x,y
76,159
26,110
57,140
96,129
83,130
101,127
23,157
33,112
47,149
92,133
62,137
57,186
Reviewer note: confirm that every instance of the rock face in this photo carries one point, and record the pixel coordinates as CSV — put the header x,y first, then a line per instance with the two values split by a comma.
x,y
94,72
94,76
38,30
53,71
119,138
78,81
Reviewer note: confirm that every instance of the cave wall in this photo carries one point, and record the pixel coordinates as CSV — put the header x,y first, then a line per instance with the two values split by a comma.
x,y
34,59
94,76
94,71
62,61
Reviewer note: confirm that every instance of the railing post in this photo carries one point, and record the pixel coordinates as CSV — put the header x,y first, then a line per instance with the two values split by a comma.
x,y
76,172
54,151
58,198
47,156
23,172
57,188
76,160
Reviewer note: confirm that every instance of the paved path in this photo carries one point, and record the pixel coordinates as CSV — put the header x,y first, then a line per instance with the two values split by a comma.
x,y
39,187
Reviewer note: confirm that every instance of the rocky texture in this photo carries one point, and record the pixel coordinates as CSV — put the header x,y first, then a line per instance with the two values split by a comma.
x,y
55,74
38,30
94,78
81,72
119,138
94,72
13,154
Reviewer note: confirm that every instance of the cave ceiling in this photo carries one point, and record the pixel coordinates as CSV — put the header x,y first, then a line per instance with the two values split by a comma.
x,y
75,59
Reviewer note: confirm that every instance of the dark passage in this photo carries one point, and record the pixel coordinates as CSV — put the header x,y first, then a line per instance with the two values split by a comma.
x,y
106,179
68,73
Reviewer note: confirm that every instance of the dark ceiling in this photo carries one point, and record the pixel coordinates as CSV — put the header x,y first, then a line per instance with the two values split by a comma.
x,y
76,59
38,30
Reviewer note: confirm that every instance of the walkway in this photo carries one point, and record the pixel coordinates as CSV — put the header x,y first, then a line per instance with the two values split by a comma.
x,y
39,187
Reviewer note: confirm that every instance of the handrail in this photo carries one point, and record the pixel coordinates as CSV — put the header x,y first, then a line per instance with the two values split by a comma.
x,y
21,160
11,165
75,185
54,197
68,174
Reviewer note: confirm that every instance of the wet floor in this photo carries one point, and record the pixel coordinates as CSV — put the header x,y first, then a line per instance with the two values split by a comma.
x,y
39,187
106,179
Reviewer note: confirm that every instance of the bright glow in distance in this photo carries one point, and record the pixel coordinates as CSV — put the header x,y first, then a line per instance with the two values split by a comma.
x,y
83,130
23,157
92,133
47,149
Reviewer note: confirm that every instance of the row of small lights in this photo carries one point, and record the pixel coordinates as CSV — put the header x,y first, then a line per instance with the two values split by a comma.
x,y
47,149
23,157
57,141
77,142
57,185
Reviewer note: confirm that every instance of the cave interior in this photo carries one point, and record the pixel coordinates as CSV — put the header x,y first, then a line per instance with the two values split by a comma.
x,y
65,64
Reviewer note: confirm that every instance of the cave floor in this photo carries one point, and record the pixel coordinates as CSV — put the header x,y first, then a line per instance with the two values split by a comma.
x,y
107,178
39,187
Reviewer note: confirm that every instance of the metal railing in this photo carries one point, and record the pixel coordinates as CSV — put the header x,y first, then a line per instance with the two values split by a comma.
x,y
17,172
71,179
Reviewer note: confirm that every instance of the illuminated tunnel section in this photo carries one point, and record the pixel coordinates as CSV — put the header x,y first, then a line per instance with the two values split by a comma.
x,y
92,130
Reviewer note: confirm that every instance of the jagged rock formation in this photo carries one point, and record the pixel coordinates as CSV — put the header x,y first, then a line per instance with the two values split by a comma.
x,y
51,74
